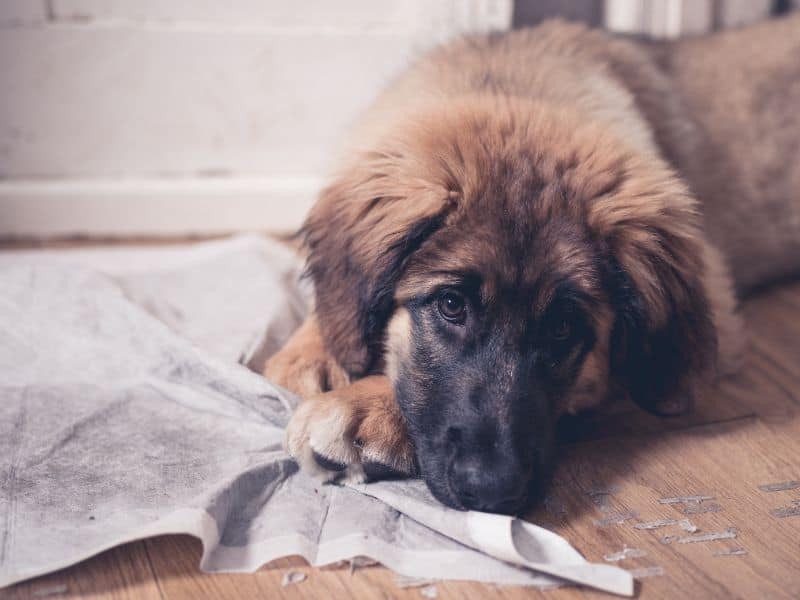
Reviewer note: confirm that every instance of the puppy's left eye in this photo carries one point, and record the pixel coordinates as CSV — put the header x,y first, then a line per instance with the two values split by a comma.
x,y
453,306
561,330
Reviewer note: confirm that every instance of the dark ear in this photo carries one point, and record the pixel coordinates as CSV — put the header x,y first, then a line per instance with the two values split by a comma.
x,y
662,355
359,236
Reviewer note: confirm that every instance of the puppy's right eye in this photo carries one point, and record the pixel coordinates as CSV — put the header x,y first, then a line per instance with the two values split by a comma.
x,y
453,307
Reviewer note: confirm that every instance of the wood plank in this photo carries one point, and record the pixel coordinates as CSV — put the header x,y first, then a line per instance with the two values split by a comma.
x,y
122,573
175,560
727,461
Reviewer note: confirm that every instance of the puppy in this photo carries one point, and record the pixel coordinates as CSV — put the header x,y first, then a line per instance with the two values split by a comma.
x,y
528,224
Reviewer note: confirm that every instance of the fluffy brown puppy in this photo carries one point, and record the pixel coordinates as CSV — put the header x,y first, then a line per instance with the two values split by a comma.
x,y
528,224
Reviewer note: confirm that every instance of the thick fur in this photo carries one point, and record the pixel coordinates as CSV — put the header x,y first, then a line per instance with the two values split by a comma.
x,y
554,179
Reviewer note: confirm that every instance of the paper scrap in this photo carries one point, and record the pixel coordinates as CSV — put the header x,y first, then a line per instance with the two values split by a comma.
x,y
429,591
780,486
601,498
623,554
687,525
51,590
610,491
646,572
733,552
684,499
728,534
786,511
700,508
404,582
293,577
655,524
668,539
359,562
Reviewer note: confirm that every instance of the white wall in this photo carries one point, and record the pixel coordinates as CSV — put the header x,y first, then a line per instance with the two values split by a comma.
x,y
129,117
193,116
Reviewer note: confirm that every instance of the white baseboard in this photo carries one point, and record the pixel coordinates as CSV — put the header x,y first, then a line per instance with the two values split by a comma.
x,y
154,207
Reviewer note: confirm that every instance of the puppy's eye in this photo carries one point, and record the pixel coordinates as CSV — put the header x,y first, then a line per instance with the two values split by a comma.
x,y
453,306
561,330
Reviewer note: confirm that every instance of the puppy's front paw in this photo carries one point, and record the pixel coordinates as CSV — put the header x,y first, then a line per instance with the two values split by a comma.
x,y
386,449
334,439
305,370
320,438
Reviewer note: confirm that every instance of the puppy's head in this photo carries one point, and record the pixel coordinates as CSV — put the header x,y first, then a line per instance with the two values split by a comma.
x,y
506,264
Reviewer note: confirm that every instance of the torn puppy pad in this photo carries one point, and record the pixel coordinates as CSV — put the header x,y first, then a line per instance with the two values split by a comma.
x,y
293,577
786,511
780,486
684,499
699,509
646,572
623,554
615,519
728,534
655,524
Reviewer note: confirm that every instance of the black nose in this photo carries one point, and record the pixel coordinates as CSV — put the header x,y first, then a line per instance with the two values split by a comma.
x,y
490,484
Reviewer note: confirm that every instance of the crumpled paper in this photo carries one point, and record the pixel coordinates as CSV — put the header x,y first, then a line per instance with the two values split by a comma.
x,y
127,411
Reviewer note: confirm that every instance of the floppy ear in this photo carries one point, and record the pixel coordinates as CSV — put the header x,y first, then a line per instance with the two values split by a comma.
x,y
664,342
662,361
359,236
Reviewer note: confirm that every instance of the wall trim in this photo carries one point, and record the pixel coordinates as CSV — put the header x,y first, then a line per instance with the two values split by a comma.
x,y
130,207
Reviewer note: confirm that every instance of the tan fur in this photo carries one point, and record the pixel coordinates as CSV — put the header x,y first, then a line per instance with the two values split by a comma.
x,y
347,423
304,366
398,342
592,384
740,91
353,426
677,156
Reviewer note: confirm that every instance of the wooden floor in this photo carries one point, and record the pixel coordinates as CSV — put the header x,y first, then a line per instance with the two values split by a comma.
x,y
746,436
